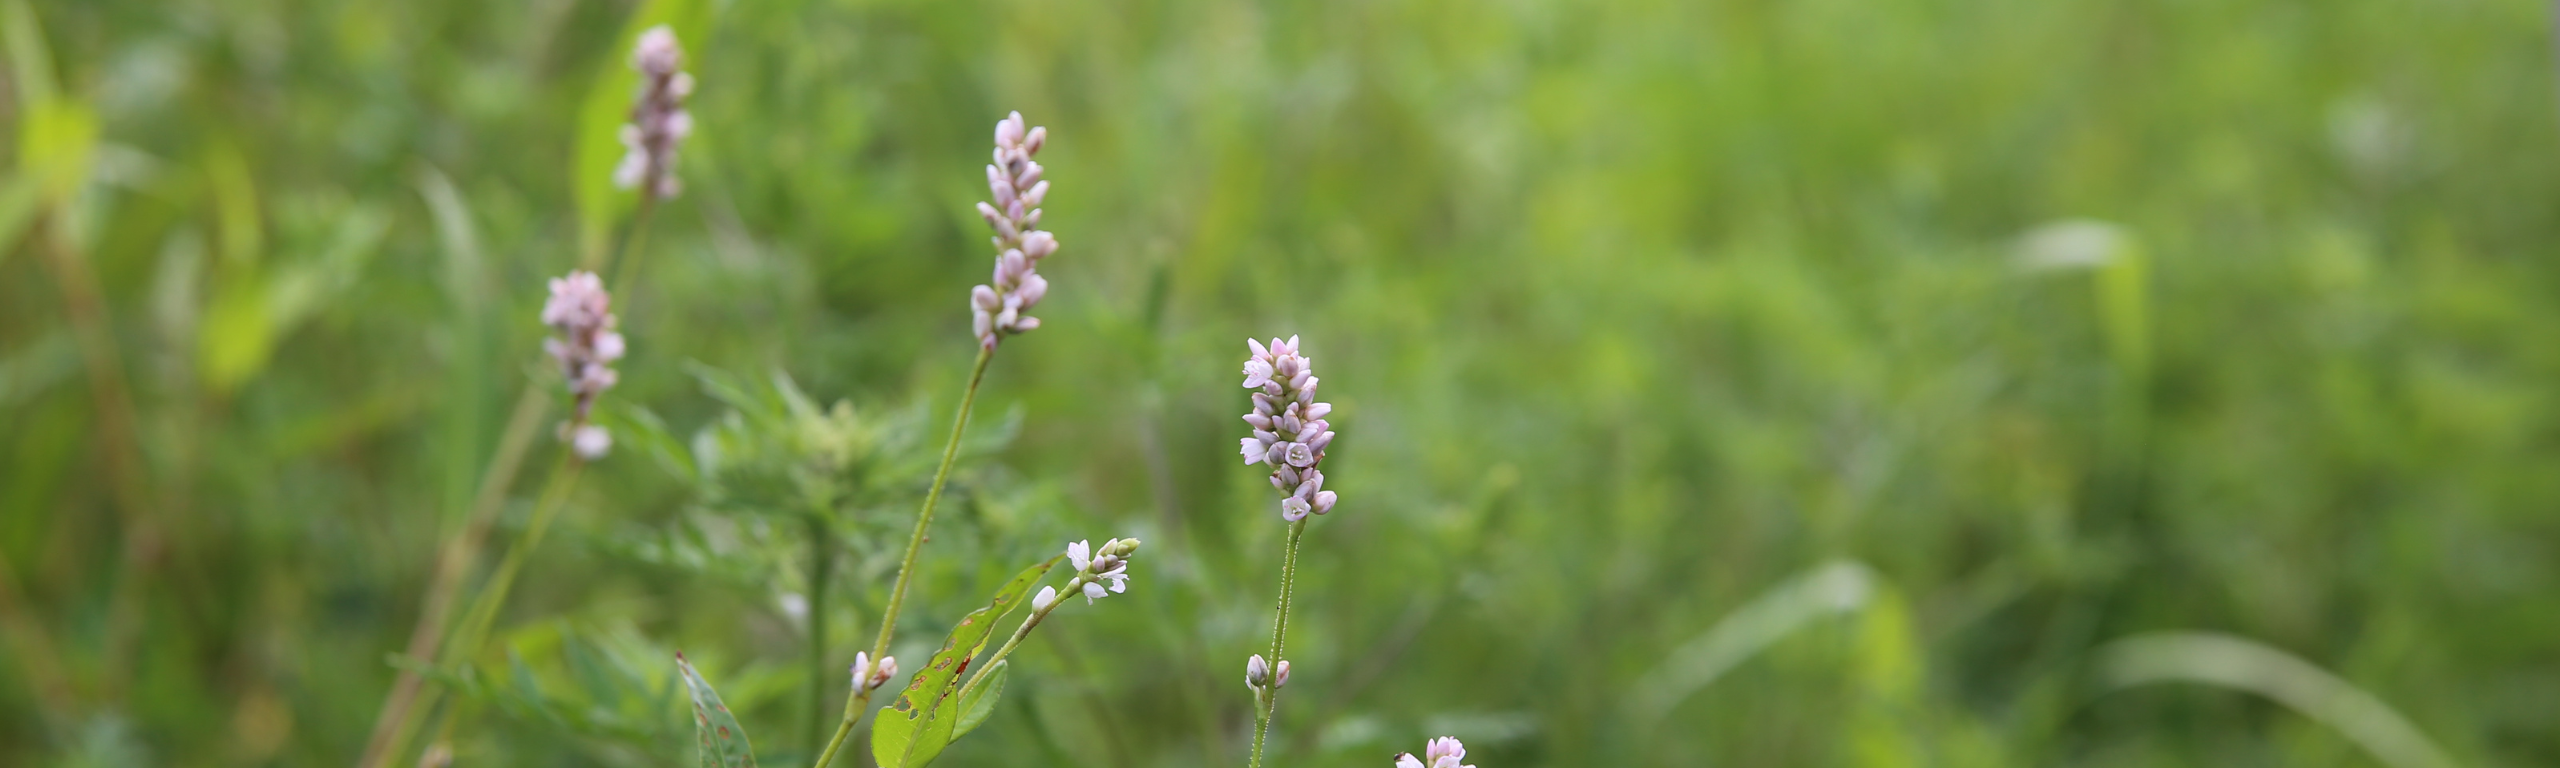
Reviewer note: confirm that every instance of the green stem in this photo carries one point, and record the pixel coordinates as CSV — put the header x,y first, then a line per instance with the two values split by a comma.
x,y
855,705
400,707
483,609
821,565
1019,633
625,266
494,596
1279,638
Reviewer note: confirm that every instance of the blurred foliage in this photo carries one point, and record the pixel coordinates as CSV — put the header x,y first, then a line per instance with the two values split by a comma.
x,y
2070,321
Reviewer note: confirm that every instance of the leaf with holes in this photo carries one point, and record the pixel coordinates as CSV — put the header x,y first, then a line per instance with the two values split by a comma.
x,y
724,743
914,731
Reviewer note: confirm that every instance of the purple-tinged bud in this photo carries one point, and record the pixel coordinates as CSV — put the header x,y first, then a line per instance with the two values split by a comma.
x,y
1323,502
1039,136
658,119
1038,191
1280,674
1033,287
1259,421
984,298
1256,673
989,213
1009,131
1319,410
1038,245
1030,176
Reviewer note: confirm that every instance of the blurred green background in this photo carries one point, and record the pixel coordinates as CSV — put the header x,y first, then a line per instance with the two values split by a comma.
x,y
2046,324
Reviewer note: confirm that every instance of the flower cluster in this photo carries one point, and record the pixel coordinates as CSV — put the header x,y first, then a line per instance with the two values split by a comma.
x,y
658,120
1015,181
1289,428
1443,752
867,677
581,313
1100,571
1258,674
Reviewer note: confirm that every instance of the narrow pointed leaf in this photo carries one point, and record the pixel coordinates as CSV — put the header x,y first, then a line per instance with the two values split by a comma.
x,y
912,732
724,743
980,702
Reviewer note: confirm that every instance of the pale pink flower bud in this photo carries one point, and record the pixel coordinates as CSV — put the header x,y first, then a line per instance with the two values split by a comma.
x,y
1256,673
1033,287
1039,136
1009,131
1280,674
658,119
1048,596
590,441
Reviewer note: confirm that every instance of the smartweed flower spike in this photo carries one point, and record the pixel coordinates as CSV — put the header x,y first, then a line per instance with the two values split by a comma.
x,y
658,120
1100,571
865,677
1289,428
586,344
1003,309
1443,752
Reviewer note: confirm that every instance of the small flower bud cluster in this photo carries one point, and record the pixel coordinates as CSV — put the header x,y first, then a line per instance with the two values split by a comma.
x,y
1014,179
1289,428
581,314
658,120
1100,571
1259,675
867,677
1443,752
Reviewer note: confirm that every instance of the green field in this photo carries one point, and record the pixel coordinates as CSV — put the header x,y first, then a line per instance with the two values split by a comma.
x,y
1719,382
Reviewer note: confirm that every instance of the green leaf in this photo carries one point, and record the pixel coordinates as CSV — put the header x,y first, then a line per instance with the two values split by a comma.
x,y
724,742
980,702
914,731
608,106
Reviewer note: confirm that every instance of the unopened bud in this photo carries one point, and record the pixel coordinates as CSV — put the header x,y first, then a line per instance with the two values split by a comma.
x,y
1280,674
1256,673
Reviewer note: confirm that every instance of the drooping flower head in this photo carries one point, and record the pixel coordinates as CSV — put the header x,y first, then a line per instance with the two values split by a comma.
x,y
1101,571
1003,308
1443,752
1290,432
585,344
658,119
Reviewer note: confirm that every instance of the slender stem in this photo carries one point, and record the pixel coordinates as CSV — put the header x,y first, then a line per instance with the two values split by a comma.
x,y
860,702
821,565
493,597
400,707
484,609
145,534
452,564
625,266
1019,633
40,664
1279,637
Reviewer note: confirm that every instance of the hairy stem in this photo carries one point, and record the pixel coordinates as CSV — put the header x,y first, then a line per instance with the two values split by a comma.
x,y
1279,638
860,702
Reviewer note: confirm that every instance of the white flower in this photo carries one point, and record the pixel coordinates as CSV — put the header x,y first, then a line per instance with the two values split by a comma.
x,y
590,441
1102,571
1445,752
866,677
1080,553
1406,760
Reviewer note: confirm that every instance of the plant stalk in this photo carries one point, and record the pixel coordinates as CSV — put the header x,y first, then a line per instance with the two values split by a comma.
x,y
484,608
821,567
1279,638
860,701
